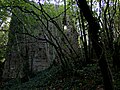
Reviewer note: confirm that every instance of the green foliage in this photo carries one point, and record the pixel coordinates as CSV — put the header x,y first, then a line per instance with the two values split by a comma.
x,y
54,79
40,81
4,26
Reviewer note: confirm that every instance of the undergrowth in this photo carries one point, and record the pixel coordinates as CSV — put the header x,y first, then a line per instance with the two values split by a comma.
x,y
54,78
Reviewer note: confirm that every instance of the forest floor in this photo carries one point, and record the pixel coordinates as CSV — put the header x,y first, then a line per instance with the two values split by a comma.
x,y
88,78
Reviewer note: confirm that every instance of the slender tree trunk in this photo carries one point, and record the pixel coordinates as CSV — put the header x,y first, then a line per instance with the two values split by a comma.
x,y
97,45
85,40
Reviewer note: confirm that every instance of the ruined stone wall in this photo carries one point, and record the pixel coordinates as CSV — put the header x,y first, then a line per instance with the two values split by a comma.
x,y
28,53
31,50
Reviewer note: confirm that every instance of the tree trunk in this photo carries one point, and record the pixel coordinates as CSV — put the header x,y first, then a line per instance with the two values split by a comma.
x,y
97,45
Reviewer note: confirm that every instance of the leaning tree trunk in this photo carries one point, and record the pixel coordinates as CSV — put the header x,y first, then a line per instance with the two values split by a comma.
x,y
97,45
